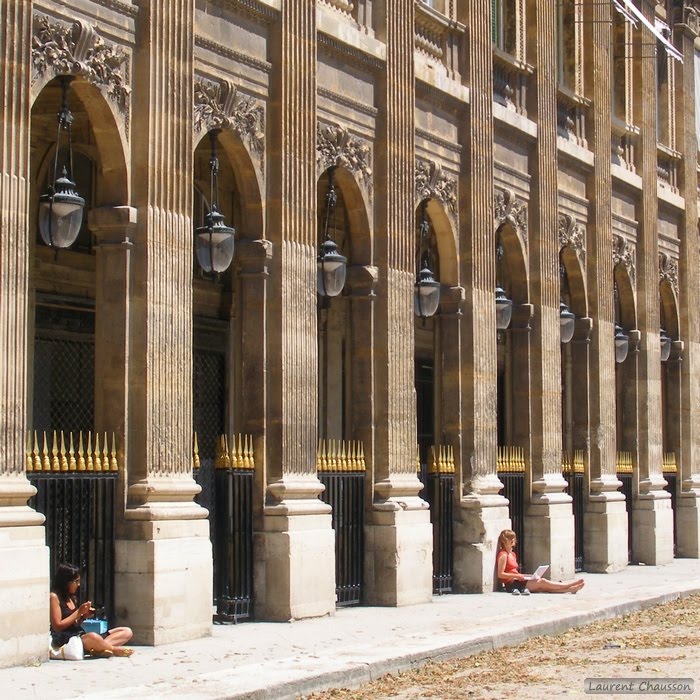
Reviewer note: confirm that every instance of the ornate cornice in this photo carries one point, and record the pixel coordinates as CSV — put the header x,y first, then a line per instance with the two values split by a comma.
x,y
431,182
123,8
572,234
77,49
360,107
221,106
336,146
625,254
350,53
234,55
668,270
509,209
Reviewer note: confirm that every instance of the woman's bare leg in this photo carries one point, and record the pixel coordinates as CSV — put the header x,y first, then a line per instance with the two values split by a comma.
x,y
119,636
94,644
544,585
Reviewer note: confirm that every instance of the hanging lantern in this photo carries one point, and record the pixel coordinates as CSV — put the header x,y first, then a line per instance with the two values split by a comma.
x,y
665,345
504,309
622,344
331,265
567,323
426,297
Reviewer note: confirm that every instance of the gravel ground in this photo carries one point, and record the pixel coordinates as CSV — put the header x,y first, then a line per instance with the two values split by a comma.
x,y
661,642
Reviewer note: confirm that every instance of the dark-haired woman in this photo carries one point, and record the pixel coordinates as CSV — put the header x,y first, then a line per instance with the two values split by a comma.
x,y
67,616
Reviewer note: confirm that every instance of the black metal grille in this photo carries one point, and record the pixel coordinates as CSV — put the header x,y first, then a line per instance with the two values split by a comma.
x,y
626,480
233,545
576,484
79,510
514,491
671,486
345,494
440,489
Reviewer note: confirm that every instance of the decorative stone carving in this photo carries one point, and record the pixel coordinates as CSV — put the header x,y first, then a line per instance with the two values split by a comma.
x,y
688,14
78,50
572,234
625,254
432,182
336,146
509,209
668,270
221,106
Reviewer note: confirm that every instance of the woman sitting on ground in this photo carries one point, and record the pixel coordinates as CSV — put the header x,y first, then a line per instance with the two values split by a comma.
x,y
67,615
512,581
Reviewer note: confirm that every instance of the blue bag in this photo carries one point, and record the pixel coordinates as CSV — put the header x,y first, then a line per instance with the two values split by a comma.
x,y
93,625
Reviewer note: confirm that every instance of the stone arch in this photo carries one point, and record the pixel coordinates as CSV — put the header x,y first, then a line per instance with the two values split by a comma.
x,y
109,153
445,236
669,306
577,282
626,297
515,258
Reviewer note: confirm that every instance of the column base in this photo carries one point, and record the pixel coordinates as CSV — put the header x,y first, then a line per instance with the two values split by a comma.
x,y
688,525
549,537
478,522
295,565
652,529
605,534
399,555
163,580
24,594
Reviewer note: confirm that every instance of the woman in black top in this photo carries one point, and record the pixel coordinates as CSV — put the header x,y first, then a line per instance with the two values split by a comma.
x,y
67,616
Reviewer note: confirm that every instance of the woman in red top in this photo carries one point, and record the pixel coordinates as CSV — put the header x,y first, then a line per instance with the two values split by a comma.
x,y
512,580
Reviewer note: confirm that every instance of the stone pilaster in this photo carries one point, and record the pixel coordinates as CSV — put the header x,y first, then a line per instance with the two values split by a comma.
x,y
163,559
398,558
688,502
549,525
295,550
652,518
605,518
24,558
481,513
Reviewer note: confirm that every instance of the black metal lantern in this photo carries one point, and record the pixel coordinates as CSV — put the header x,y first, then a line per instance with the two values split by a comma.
x,y
622,344
331,265
567,323
426,295
214,241
666,343
61,207
504,305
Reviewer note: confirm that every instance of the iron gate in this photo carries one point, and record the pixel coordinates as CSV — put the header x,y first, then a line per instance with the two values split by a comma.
x,y
341,469
573,469
625,471
670,472
76,482
511,472
439,488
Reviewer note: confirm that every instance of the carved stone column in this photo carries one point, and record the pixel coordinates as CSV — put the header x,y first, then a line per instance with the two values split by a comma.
x,y
482,513
398,560
163,559
688,504
295,547
652,517
24,558
605,518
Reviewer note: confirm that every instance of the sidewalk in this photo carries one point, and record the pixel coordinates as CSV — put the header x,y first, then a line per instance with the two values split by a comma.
x,y
283,660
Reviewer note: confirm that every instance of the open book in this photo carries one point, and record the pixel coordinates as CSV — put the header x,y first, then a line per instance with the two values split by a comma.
x,y
538,573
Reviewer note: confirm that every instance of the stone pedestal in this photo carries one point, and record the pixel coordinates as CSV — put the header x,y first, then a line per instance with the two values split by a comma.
x,y
549,537
295,565
652,526
399,553
688,524
605,525
24,590
478,521
163,575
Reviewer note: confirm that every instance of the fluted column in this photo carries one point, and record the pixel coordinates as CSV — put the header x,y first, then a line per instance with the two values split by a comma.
x,y
24,558
295,569
688,504
481,513
398,534
164,563
605,518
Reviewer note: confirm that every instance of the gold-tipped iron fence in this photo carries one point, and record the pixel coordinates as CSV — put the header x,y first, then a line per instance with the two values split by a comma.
x,y
669,463
624,463
441,460
234,453
573,463
68,452
340,456
510,459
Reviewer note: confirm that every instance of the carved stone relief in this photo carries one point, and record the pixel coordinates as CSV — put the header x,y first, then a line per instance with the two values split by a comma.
x,y
688,14
625,254
336,146
78,50
572,234
668,270
432,182
221,106
508,208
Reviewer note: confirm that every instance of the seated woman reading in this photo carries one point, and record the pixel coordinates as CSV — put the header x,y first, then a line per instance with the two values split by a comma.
x,y
512,581
66,616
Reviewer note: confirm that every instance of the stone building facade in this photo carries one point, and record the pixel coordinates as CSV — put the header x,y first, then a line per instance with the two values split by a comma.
x,y
554,147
